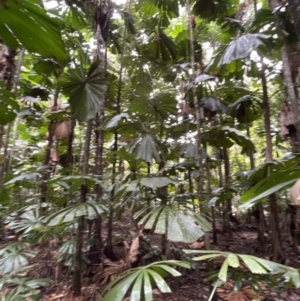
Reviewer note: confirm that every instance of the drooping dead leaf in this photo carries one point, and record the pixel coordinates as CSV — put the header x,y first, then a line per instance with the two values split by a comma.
x,y
110,270
54,155
134,250
251,294
61,130
245,294
197,245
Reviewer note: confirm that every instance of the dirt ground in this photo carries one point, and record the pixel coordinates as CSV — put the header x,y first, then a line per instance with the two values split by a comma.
x,y
191,286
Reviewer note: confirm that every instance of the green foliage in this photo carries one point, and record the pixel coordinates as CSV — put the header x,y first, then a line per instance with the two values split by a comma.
x,y
86,91
241,47
226,137
8,105
177,224
38,34
273,183
241,267
142,280
145,147
246,109
14,256
68,215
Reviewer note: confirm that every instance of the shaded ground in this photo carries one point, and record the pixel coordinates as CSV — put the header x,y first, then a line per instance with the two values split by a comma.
x,y
192,286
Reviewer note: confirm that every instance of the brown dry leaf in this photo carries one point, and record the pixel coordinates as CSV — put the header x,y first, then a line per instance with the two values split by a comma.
x,y
134,250
55,297
156,293
237,296
197,245
224,290
54,154
251,294
109,270
62,130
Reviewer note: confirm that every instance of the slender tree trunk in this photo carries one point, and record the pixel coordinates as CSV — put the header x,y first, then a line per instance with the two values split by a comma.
x,y
45,176
118,111
198,109
7,73
274,216
227,207
295,10
1,135
258,212
208,175
84,191
286,67
98,173
16,122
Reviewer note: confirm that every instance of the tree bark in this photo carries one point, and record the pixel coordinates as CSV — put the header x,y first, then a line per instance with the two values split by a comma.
x,y
7,74
295,11
198,109
258,212
274,217
98,173
286,68
84,191
46,174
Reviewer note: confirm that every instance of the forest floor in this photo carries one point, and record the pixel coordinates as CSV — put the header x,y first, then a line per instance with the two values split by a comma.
x,y
191,286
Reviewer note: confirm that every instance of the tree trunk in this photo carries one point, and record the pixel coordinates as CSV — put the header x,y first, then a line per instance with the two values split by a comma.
x,y
98,173
274,217
286,68
7,74
1,135
258,212
198,109
46,174
295,10
208,175
84,191
227,208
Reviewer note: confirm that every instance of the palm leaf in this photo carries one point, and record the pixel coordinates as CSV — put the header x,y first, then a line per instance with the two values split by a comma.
x,y
241,47
269,185
141,281
146,148
86,91
177,225
38,33
69,214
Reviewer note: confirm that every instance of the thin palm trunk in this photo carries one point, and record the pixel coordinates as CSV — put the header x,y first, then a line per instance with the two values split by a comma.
x,y
227,211
7,74
274,216
208,175
99,173
118,111
84,191
46,174
198,109
258,212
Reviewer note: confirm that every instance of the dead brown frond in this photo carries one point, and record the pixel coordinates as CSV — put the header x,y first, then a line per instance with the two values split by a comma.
x,y
245,294
134,250
110,270
54,155
197,245
61,130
